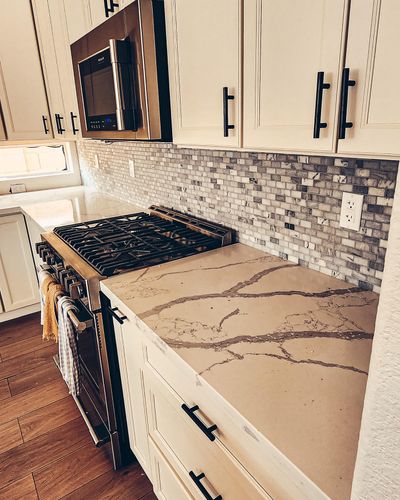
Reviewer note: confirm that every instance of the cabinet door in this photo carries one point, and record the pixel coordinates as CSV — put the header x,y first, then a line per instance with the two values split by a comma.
x,y
77,15
70,117
46,35
57,66
372,57
286,44
204,53
130,358
22,91
98,10
18,283
167,485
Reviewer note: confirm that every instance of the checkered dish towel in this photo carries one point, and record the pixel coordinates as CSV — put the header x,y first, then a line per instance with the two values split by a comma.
x,y
67,348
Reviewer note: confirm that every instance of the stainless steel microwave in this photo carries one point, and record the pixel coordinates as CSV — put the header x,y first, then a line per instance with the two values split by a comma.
x,y
121,76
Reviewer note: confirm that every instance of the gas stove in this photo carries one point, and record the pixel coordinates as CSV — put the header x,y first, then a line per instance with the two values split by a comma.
x,y
79,256
138,240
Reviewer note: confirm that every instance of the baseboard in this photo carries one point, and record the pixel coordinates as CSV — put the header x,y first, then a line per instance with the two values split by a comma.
x,y
18,313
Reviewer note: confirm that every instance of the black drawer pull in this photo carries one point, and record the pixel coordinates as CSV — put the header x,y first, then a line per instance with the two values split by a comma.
x,y
46,128
74,129
198,483
112,311
225,98
343,123
208,431
321,86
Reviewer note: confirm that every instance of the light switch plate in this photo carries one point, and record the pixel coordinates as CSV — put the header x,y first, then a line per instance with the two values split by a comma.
x,y
350,214
131,168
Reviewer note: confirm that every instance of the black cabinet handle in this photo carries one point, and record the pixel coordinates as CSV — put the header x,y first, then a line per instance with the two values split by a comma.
x,y
198,483
112,311
109,8
46,128
226,97
74,129
58,117
321,86
343,123
208,431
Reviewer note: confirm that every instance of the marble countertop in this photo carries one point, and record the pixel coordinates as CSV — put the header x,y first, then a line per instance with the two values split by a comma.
x,y
286,346
57,207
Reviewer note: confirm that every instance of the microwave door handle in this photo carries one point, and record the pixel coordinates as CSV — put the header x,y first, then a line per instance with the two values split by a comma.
x,y
115,66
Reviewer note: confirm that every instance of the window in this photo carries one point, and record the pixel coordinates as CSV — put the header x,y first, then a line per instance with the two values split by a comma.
x,y
28,161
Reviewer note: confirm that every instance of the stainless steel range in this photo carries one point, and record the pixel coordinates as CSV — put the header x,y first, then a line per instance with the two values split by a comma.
x,y
81,255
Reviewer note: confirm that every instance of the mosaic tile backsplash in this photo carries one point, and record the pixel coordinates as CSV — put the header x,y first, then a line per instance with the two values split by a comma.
x,y
287,205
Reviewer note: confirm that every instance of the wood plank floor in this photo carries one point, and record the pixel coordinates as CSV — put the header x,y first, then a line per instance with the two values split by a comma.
x,y
46,451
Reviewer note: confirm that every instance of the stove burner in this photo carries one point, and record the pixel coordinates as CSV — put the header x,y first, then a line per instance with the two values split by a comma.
x,y
133,241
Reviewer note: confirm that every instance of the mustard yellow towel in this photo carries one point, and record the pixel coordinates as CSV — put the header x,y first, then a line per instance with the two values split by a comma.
x,y
49,289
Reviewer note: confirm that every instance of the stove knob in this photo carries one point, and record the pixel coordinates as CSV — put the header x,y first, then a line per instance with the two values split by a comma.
x,y
40,247
50,259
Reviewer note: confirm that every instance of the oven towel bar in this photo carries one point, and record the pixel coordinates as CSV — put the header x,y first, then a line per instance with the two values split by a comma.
x,y
49,309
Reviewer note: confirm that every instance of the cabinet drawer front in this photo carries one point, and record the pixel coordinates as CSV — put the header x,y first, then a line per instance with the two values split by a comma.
x,y
270,468
183,442
166,483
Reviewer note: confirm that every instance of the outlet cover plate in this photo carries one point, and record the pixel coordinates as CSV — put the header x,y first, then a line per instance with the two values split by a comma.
x,y
17,188
350,214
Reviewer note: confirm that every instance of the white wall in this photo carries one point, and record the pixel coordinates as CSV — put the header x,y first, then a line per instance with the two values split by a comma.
x,y
377,473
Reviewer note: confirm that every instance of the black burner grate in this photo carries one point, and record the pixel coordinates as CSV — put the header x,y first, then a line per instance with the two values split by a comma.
x,y
133,241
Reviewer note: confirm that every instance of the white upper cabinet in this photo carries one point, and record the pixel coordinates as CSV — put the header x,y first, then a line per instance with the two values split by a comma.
x,y
286,45
18,282
77,16
373,63
101,10
22,90
204,52
55,51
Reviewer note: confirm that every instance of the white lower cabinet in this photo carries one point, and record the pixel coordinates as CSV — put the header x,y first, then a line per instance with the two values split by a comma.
x,y
18,282
179,458
188,439
130,356
166,482
201,461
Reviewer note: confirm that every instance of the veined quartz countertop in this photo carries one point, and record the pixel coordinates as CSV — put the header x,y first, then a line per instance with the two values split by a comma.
x,y
58,207
286,346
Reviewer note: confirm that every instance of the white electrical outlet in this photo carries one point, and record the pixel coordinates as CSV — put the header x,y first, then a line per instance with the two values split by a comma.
x,y
17,188
131,168
350,214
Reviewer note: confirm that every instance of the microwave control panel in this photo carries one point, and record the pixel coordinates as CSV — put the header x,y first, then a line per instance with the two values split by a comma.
x,y
103,122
